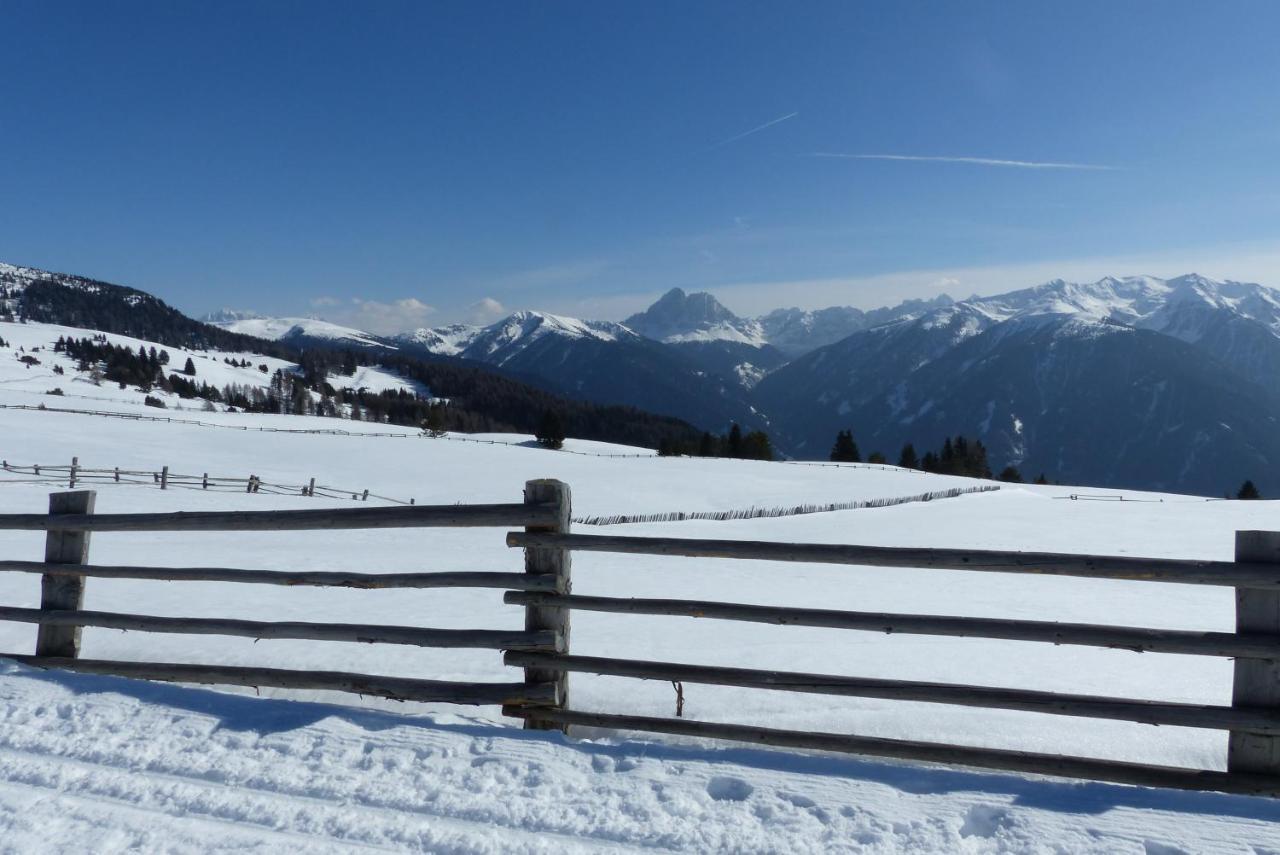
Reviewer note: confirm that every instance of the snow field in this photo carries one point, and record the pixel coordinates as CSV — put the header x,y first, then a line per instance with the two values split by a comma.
x,y
177,769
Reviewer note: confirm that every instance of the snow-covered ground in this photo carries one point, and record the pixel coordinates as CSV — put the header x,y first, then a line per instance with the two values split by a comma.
x,y
77,389
114,764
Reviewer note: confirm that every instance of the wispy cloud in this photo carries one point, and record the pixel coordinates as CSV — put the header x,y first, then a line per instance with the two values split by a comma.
x,y
977,161
755,130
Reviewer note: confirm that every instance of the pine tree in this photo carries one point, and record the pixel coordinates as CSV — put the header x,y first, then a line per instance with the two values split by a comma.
x,y
1011,475
876,457
707,445
735,441
756,446
845,450
435,421
1248,491
550,433
190,368
907,459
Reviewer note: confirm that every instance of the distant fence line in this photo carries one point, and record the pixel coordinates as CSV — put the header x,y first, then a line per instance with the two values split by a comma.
x,y
77,475
753,513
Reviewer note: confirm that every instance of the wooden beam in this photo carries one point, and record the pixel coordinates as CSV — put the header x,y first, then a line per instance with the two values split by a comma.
x,y
1228,573
554,566
1256,683
1254,645
1089,706
395,688
491,639
318,578
324,518
928,752
64,591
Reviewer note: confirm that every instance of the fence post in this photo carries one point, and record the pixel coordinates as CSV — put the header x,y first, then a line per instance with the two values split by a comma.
x,y
164,478
557,564
75,464
311,488
64,593
1257,681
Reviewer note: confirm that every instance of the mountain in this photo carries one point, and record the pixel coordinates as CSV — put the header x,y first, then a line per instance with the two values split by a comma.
x,y
598,361
302,332
795,332
678,316
1166,384
316,361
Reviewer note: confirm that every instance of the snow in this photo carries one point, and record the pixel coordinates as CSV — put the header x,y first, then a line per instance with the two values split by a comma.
x,y
274,329
79,390
116,764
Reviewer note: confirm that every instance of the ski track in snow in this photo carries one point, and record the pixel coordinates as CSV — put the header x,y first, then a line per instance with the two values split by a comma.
x,y
159,768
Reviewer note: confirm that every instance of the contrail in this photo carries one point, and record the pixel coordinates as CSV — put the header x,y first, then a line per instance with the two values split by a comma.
x,y
980,161
756,130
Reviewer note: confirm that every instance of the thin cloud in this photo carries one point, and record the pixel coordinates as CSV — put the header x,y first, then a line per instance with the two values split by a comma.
x,y
756,130
978,161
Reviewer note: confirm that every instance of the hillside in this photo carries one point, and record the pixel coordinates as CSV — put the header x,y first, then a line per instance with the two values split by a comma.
x,y
247,770
321,367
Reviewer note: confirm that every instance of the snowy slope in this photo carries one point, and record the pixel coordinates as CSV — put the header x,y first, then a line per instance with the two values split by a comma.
x,y
206,766
37,340
285,329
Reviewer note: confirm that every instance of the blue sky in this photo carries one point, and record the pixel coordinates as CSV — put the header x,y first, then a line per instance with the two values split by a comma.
x,y
394,164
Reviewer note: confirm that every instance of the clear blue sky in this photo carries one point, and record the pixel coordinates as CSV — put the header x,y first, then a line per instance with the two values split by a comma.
x,y
300,157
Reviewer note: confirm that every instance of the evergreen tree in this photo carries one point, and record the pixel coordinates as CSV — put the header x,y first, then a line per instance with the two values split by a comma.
x,y
550,433
707,445
907,459
845,450
190,368
1248,491
1041,480
930,462
1011,475
435,421
756,446
735,441
876,457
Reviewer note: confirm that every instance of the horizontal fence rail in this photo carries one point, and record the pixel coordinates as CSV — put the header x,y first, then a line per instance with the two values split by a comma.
x,y
1237,574
392,688
491,639
1243,783
1090,706
1258,645
542,647
323,518
311,578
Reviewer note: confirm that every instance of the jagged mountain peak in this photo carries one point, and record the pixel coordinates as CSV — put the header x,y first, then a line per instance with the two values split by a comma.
x,y
678,316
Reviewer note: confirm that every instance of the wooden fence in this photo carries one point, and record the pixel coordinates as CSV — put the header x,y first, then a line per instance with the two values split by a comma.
x,y
64,572
542,648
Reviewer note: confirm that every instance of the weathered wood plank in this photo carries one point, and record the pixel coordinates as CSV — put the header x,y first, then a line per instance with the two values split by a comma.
x,y
1256,683
405,516
395,688
1188,572
319,578
64,591
927,752
1089,706
490,639
553,565
1255,645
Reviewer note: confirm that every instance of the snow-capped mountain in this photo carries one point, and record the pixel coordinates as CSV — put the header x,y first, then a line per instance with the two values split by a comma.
x,y
598,361
293,330
1138,381
678,316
